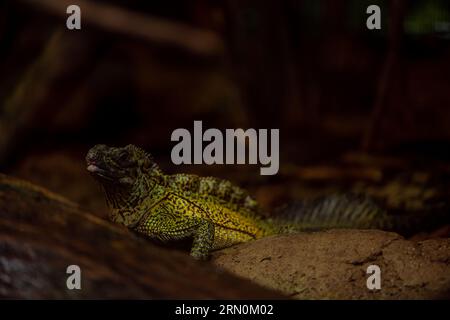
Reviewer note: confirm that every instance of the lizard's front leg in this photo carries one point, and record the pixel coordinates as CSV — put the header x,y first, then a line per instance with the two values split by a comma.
x,y
166,226
203,240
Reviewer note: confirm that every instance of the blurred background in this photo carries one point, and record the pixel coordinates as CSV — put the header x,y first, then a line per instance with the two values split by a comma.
x,y
358,109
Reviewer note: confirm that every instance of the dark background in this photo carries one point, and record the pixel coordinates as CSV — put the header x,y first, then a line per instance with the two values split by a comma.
x,y
359,109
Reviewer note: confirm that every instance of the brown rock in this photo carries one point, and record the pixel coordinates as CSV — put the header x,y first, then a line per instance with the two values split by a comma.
x,y
333,265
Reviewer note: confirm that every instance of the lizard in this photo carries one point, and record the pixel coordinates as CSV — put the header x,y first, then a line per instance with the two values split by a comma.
x,y
213,212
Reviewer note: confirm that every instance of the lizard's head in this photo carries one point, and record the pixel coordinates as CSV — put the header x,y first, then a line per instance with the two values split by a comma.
x,y
118,166
127,175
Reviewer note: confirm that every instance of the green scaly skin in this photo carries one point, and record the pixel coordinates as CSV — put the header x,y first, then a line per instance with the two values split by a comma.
x,y
213,212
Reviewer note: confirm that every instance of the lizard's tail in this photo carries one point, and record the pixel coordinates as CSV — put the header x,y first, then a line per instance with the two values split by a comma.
x,y
353,212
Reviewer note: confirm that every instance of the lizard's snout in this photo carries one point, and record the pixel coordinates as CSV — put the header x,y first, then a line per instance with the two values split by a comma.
x,y
94,159
94,154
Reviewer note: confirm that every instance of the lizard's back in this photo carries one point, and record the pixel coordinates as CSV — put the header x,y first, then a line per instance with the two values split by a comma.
x,y
235,214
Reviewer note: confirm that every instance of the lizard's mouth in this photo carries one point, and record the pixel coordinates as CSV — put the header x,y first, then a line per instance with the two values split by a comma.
x,y
98,171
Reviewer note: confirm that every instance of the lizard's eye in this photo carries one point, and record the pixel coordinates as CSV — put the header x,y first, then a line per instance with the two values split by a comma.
x,y
123,157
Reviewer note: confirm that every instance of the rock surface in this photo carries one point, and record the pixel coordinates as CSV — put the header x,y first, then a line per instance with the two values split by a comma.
x,y
333,265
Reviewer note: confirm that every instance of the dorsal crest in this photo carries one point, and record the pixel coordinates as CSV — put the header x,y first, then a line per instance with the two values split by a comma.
x,y
220,189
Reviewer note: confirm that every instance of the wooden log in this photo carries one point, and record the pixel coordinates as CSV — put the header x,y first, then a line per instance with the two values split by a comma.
x,y
41,234
121,21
